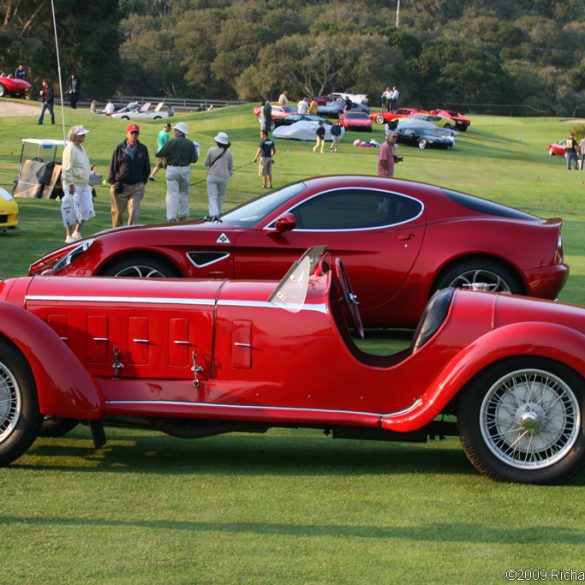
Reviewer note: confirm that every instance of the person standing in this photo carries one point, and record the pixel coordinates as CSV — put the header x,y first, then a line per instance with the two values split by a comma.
x,y
387,156
129,171
179,153
20,72
394,99
313,107
582,147
109,109
77,202
73,90
48,99
161,139
267,114
220,164
336,132
571,152
320,136
283,98
303,106
266,151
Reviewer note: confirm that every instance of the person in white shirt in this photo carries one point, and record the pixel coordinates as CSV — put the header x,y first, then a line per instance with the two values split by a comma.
x,y
109,109
303,106
283,98
77,202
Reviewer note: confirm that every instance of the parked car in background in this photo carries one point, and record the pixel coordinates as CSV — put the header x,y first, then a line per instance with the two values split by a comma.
x,y
358,98
293,118
11,86
277,112
302,130
204,357
336,108
433,119
135,111
384,117
460,121
8,210
399,240
557,148
425,137
356,121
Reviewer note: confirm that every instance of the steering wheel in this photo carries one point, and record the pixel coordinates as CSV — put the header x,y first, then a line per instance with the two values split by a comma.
x,y
349,297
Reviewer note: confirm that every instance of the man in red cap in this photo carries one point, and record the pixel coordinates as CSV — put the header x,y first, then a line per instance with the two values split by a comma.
x,y
129,171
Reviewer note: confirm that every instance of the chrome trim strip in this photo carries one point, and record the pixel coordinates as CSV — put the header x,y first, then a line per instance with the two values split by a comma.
x,y
268,227
239,344
178,342
141,341
406,410
100,339
223,257
319,308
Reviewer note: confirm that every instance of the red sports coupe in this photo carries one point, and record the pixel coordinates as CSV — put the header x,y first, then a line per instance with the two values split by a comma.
x,y
557,148
399,240
196,358
356,121
13,86
460,122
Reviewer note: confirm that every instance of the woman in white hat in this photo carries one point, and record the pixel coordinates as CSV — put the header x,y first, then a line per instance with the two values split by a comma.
x,y
220,164
77,202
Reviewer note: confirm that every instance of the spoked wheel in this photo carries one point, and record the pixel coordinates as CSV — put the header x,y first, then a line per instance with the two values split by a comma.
x,y
380,119
422,143
19,410
140,267
480,275
521,421
349,297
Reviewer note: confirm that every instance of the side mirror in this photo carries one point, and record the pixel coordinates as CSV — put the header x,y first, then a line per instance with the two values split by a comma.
x,y
285,223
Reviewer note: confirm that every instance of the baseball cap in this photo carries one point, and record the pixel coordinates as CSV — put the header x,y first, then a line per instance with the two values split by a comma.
x,y
133,128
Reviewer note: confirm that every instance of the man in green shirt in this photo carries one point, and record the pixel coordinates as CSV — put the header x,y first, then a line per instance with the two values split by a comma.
x,y
179,153
161,139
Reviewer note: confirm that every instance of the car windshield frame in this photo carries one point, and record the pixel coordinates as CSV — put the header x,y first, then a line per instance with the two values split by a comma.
x,y
250,213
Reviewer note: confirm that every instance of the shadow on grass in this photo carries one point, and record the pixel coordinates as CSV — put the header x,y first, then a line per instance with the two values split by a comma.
x,y
433,532
245,454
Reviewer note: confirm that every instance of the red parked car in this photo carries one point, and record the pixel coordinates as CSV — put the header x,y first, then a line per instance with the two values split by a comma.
x,y
356,121
13,86
277,111
400,241
557,148
196,358
460,122
384,117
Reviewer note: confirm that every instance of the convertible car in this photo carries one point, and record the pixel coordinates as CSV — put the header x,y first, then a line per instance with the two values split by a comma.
x,y
198,358
13,86
400,241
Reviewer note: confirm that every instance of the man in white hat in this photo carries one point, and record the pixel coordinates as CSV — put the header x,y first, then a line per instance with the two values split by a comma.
x,y
179,153
220,168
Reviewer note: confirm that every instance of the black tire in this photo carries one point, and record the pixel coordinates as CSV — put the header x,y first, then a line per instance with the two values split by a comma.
x,y
140,267
422,143
56,427
521,420
20,418
380,119
2,90
157,117
124,117
466,273
448,126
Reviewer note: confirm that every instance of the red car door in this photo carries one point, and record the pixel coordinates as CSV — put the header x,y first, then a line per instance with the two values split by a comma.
x,y
377,234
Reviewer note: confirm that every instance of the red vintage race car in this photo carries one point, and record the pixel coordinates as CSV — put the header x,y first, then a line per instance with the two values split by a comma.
x,y
356,121
399,240
557,148
197,358
384,117
13,86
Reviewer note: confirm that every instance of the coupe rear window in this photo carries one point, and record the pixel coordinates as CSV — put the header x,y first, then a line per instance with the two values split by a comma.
x,y
485,206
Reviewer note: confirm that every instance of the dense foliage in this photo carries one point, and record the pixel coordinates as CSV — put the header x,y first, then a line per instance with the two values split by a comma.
x,y
473,54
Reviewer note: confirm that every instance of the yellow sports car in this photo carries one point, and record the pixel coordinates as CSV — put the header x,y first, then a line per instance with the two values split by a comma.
x,y
436,120
8,210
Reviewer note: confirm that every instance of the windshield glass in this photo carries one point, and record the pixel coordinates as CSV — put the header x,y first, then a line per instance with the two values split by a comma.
x,y
248,214
291,293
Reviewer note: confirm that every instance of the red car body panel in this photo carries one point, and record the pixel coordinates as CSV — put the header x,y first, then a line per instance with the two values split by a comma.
x,y
277,111
557,148
356,121
393,268
14,86
461,122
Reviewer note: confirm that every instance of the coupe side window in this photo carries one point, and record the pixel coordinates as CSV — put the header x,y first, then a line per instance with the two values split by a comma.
x,y
355,209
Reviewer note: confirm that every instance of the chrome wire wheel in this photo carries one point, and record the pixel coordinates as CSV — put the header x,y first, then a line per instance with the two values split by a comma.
x,y
480,278
530,419
10,402
140,271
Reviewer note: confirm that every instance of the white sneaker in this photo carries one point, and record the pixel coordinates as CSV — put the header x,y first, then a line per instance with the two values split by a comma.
x,y
76,237
69,240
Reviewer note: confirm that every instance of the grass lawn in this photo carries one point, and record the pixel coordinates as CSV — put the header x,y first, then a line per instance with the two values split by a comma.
x,y
292,506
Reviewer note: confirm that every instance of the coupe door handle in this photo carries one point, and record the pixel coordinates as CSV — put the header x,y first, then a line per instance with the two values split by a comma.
x,y
404,237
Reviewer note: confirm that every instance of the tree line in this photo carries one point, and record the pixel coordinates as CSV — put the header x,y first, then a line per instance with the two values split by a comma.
x,y
464,52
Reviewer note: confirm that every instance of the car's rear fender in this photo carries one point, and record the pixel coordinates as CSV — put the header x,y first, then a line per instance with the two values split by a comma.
x,y
65,388
538,339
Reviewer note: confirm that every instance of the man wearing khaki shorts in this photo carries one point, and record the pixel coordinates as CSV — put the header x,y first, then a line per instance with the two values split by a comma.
x,y
266,150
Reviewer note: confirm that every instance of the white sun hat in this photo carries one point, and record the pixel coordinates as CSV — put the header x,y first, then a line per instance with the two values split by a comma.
x,y
181,127
222,138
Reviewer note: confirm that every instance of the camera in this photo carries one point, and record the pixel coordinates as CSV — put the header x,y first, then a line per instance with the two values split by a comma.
x,y
398,159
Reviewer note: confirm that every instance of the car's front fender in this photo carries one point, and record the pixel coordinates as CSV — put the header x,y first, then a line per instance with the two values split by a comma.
x,y
547,340
65,388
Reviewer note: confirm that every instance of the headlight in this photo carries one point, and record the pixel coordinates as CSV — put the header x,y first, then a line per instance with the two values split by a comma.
x,y
68,258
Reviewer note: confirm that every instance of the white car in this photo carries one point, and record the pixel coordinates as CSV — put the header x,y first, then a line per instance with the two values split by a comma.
x,y
143,112
356,98
303,130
